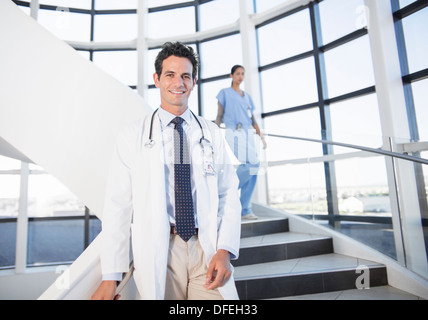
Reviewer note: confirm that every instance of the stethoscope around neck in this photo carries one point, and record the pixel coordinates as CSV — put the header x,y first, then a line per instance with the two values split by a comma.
x,y
150,143
207,147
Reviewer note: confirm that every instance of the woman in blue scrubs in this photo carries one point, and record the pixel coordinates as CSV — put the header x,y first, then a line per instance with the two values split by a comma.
x,y
236,111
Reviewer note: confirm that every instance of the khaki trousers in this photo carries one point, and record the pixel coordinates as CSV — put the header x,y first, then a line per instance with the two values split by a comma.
x,y
186,273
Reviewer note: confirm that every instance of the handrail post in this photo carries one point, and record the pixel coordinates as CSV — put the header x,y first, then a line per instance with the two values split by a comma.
x,y
395,208
410,217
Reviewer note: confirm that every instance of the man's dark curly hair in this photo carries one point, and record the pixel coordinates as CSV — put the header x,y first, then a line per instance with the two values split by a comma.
x,y
179,50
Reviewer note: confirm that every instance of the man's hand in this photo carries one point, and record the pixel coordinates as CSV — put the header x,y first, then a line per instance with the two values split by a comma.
x,y
106,291
218,270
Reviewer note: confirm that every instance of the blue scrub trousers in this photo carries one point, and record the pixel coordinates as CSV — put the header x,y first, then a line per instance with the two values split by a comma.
x,y
247,174
242,144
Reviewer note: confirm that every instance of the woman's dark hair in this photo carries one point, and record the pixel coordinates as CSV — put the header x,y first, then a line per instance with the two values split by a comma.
x,y
236,67
179,50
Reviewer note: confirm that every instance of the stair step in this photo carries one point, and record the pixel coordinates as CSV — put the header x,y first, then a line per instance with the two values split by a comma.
x,y
375,293
281,246
263,226
308,275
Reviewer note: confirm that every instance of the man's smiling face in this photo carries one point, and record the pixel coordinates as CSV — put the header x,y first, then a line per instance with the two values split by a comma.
x,y
175,84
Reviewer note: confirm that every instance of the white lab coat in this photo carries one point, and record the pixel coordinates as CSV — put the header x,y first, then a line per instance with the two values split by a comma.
x,y
136,200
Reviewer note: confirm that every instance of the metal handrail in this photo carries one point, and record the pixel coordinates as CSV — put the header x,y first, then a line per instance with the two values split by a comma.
x,y
347,145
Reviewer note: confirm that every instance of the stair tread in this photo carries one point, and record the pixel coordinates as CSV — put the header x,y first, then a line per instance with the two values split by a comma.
x,y
312,264
279,238
265,216
385,292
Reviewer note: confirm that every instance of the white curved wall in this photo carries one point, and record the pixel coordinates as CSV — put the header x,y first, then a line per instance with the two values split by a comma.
x,y
63,113
57,108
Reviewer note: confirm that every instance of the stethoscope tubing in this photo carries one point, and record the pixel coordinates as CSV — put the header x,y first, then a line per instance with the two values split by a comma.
x,y
151,142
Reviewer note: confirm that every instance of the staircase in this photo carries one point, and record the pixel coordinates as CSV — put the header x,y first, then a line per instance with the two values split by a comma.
x,y
276,262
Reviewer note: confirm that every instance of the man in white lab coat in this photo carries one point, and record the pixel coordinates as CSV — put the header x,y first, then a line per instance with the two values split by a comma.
x,y
140,198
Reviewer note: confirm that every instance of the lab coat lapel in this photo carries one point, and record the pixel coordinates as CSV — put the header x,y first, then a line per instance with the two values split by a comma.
x,y
206,190
150,227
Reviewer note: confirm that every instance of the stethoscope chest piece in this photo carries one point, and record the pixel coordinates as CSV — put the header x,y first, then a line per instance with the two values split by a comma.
x,y
150,143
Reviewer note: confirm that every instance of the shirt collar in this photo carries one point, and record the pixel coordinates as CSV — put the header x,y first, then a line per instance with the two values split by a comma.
x,y
166,117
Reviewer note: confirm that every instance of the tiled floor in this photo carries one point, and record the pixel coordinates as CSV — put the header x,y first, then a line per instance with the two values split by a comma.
x,y
375,293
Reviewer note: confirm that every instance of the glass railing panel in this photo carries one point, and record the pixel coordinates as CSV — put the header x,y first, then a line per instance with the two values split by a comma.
x,y
54,241
94,227
424,201
7,243
412,214
424,155
298,189
364,202
412,177
48,197
295,184
362,186
358,191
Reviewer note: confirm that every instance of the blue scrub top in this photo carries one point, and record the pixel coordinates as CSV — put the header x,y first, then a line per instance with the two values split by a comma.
x,y
237,108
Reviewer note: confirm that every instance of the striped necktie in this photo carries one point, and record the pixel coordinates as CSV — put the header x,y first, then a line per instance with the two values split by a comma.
x,y
184,214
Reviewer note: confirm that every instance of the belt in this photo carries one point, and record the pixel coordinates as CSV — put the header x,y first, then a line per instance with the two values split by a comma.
x,y
174,230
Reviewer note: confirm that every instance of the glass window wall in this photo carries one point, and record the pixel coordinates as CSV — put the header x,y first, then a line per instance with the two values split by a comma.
x,y
171,23
47,197
404,3
290,85
290,124
122,65
210,91
325,92
115,27
81,4
53,241
285,38
9,206
349,67
161,3
263,5
218,56
416,41
9,187
151,65
56,217
298,188
420,89
115,5
7,243
339,18
410,21
356,121
218,13
66,25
